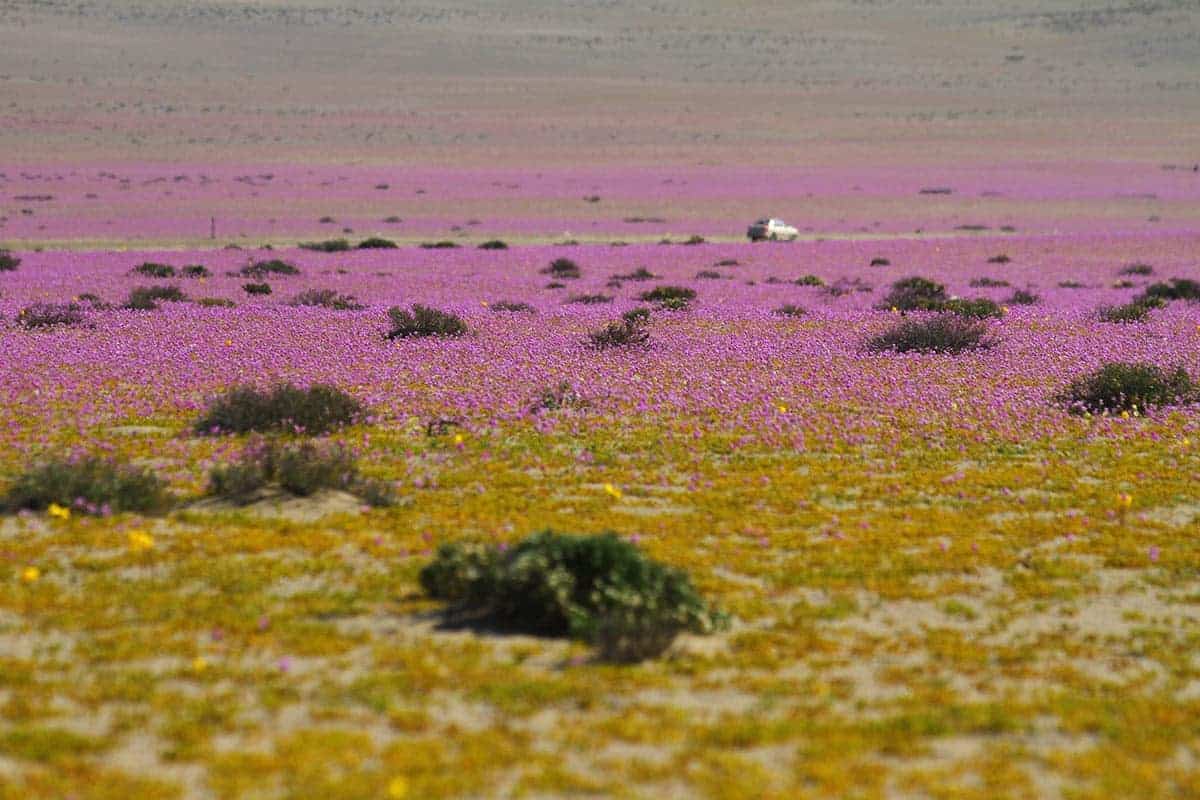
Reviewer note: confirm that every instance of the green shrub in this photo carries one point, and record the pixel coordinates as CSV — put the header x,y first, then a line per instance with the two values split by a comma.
x,y
708,274
50,315
1000,259
637,316
639,274
215,302
327,298
377,243
915,294
1022,297
445,244
154,270
670,297
619,334
590,299
601,589
90,484
493,244
274,266
880,262
809,280
1134,311
790,310
1176,289
562,268
424,321
693,239
979,283
1136,269
1123,386
8,262
1071,285
561,396
511,306
146,298
944,333
300,469
973,308
316,410
327,246
196,271
305,469
256,288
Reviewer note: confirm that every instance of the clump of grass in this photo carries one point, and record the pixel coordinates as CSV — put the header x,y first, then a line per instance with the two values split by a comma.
x,y
90,484
256,288
147,298
1136,269
944,333
1128,386
790,310
637,316
915,294
1022,297
973,308
1134,311
376,243
327,298
215,302
196,271
880,262
316,410
301,469
151,269
845,286
1000,259
670,297
590,299
561,396
988,283
444,244
1070,284
423,321
493,244
274,266
50,315
562,268
726,262
8,262
639,274
708,274
625,333
1175,289
600,589
327,246
809,280
512,307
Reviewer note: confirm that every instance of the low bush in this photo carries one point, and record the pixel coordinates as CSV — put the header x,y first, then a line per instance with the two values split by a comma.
x,y
809,280
151,269
1000,259
256,288
327,246
600,589
316,410
880,262
561,396
50,315
726,262
444,244
944,333
1176,289
639,274
512,307
327,298
196,271
790,310
845,286
274,266
590,299
694,239
670,297
637,316
619,334
915,294
555,285
987,283
146,298
93,300
1136,269
377,243
8,262
423,321
1071,285
973,308
708,274
301,469
562,268
1134,311
1124,386
215,302
493,244
90,484
1022,297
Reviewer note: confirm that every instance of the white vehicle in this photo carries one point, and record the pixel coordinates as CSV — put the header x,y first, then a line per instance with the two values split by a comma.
x,y
773,229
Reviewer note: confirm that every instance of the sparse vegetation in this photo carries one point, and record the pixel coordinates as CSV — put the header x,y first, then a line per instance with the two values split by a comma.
x,y
301,469
89,484
590,299
315,410
562,268
1135,311
196,271
377,243
274,266
327,246
944,333
151,269
1136,269
790,310
493,244
147,298
50,315
626,333
444,244
8,261
256,288
1175,289
915,294
670,297
809,280
513,307
423,321
1128,386
974,308
988,283
327,298
1022,297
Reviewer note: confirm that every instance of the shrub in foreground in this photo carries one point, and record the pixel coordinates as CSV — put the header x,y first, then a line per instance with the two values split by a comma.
x,y
1128,386
626,333
316,410
1176,289
8,262
50,315
423,321
327,298
89,484
944,333
146,298
301,469
601,589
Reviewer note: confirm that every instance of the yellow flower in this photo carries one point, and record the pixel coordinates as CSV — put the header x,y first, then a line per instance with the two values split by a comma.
x,y
61,512
782,408
229,342
458,438
397,789
199,664
30,574
140,541
612,490
1124,500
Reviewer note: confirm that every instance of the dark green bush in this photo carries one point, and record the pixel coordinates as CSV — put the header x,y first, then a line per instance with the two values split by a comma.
x,y
1022,297
8,262
315,410
327,246
493,244
93,300
880,262
1123,386
708,274
693,239
196,271
601,589
944,333
809,280
590,299
256,288
726,262
1176,289
974,308
511,306
146,298
915,294
639,274
555,285
562,268
274,266
327,298
50,315
619,334
424,321
377,243
790,310
445,244
980,283
1071,285
670,297
1136,269
1134,311
300,469
154,270
637,316
1000,259
215,302
90,484
561,396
